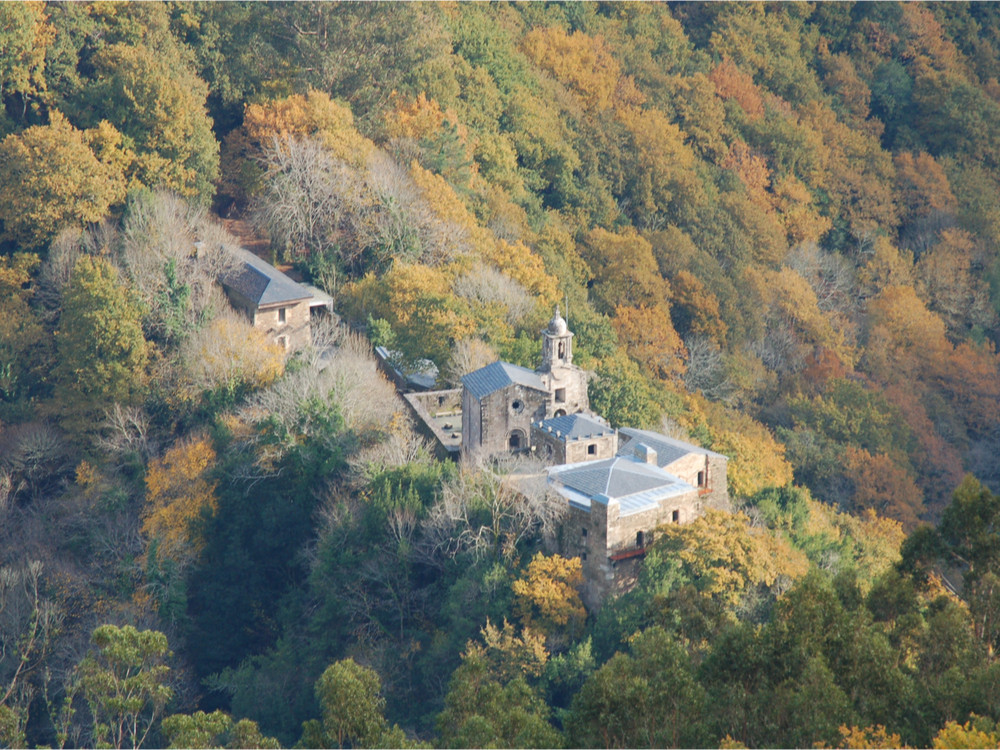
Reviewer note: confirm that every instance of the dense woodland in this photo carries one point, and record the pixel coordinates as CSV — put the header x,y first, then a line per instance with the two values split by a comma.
x,y
776,232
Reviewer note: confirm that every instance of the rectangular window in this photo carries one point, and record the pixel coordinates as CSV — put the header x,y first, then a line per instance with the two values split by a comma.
x,y
281,315
584,532
592,449
701,479
561,395
583,556
675,516
640,540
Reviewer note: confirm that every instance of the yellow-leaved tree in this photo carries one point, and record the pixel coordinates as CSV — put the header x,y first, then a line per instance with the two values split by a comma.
x,y
179,489
547,597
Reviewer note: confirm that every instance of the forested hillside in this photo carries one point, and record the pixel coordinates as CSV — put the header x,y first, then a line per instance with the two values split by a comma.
x,y
775,232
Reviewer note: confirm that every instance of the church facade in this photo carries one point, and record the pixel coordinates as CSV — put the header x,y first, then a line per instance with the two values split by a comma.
x,y
501,401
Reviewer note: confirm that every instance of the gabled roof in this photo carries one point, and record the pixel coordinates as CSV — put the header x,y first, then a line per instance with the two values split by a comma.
x,y
575,426
492,378
667,449
635,485
262,283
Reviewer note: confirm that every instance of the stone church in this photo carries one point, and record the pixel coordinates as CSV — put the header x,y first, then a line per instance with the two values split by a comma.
x,y
501,401
620,485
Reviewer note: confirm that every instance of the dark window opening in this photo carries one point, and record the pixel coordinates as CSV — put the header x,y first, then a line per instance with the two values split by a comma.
x,y
640,539
584,532
675,516
560,413
562,349
592,449
281,315
561,395
517,406
516,441
583,556
701,479
440,400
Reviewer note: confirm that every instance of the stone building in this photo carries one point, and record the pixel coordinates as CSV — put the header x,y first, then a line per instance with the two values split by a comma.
x,y
274,303
571,438
501,401
615,507
619,485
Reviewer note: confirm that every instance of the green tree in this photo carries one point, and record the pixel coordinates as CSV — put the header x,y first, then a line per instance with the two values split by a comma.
x,y
481,711
647,698
157,101
352,704
217,729
102,352
124,683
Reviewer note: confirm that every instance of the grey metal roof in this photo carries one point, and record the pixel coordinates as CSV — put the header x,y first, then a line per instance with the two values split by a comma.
x,y
635,485
492,378
262,283
667,449
575,426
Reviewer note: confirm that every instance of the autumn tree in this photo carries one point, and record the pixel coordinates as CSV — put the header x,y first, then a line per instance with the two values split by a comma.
x,y
178,492
548,597
21,336
51,178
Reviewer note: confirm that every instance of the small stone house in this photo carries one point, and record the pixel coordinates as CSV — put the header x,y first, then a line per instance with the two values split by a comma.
x,y
274,303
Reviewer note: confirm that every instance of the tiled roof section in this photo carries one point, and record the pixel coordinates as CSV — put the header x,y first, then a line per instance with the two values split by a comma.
x,y
262,283
635,485
667,449
492,378
575,426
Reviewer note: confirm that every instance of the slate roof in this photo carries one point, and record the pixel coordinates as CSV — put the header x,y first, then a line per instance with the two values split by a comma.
x,y
575,426
262,283
635,485
667,449
492,378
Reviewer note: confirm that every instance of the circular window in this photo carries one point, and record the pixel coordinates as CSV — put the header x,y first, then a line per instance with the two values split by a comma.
x,y
517,406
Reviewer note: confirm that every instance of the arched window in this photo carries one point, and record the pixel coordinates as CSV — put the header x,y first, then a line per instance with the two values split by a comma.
x,y
562,350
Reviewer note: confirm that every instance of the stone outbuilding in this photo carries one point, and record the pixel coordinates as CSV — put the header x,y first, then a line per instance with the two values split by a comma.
x,y
274,303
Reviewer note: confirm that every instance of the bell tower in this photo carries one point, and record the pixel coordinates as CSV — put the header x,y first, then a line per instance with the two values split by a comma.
x,y
565,382
557,344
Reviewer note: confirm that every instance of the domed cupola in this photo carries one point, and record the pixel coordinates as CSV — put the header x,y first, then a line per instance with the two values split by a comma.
x,y
557,344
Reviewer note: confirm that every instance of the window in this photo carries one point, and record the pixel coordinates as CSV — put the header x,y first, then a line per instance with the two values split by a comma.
x,y
516,441
560,413
584,532
583,556
562,350
281,314
592,449
640,540
675,516
561,395
701,479
517,406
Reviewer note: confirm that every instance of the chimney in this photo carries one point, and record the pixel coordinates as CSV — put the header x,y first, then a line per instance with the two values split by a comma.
x,y
645,454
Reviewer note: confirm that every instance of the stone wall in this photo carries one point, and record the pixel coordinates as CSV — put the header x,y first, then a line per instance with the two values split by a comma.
x,y
294,333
